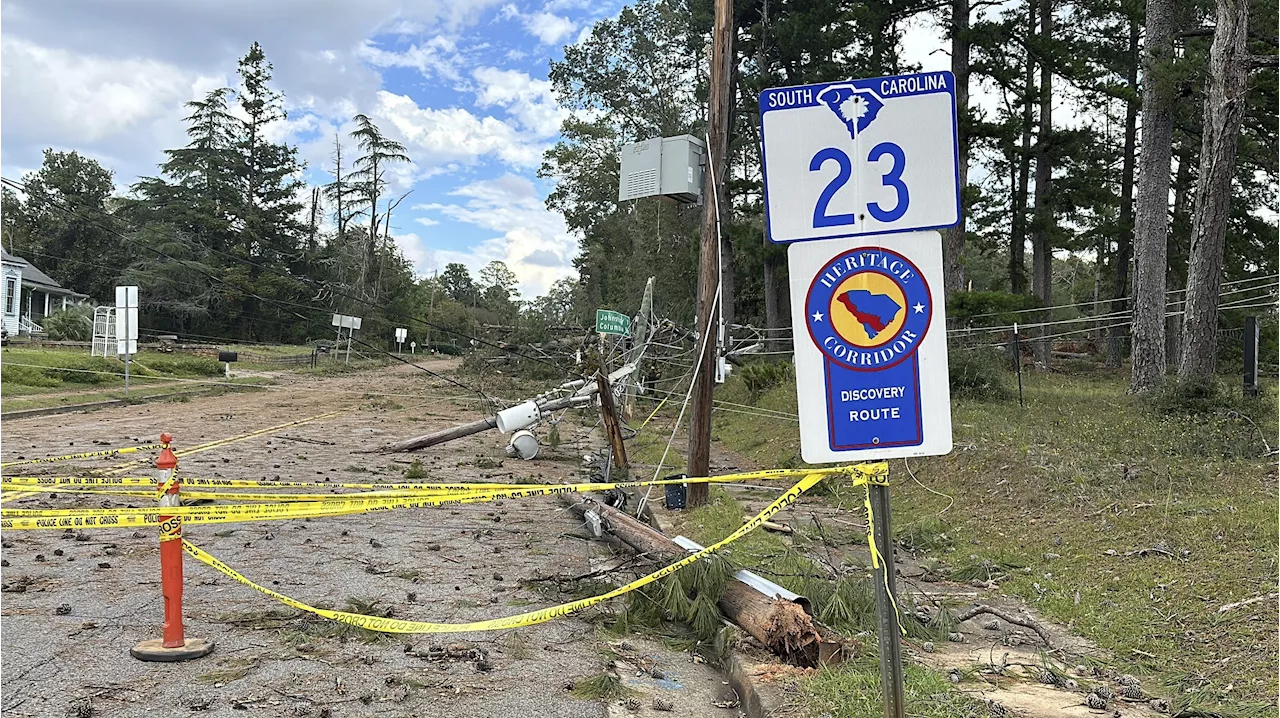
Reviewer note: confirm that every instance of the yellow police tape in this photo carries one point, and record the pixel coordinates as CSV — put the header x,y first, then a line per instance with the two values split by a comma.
x,y
182,452
877,474
26,482
13,518
85,455
249,496
29,519
395,625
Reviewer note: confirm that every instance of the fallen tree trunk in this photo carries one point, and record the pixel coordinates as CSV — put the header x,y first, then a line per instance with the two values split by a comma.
x,y
475,427
781,626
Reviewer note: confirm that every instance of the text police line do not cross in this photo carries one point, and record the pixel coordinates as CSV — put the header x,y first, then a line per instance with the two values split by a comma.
x,y
860,157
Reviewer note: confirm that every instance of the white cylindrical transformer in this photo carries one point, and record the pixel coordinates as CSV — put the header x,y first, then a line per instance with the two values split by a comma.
x,y
517,417
524,445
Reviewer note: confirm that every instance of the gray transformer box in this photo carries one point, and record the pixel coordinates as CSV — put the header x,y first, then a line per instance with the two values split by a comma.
x,y
670,166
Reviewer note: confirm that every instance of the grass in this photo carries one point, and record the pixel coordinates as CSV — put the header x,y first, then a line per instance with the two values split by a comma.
x,y
852,690
416,471
32,378
1049,500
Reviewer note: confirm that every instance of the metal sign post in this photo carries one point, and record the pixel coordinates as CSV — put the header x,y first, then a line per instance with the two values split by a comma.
x,y
887,627
401,334
842,160
1017,363
1251,356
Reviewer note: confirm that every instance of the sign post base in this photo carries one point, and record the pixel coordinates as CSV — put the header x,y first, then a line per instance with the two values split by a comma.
x,y
888,629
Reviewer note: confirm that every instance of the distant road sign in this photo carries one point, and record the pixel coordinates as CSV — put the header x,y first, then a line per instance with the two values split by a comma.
x,y
610,322
127,319
870,348
343,321
874,156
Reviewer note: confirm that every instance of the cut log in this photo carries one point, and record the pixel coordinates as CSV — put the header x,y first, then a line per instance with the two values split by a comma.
x,y
781,626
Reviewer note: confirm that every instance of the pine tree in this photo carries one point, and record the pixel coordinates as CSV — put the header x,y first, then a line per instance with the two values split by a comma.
x,y
270,206
1224,110
1151,208
368,179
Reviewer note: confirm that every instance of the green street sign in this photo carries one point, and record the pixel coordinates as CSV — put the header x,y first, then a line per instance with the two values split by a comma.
x,y
609,322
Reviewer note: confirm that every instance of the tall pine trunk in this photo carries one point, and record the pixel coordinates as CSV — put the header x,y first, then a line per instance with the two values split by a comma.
x,y
1042,224
1223,114
1151,208
954,246
1018,223
1016,246
337,178
1179,250
771,316
1121,267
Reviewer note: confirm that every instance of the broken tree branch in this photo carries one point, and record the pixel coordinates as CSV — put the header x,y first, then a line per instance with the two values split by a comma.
x,y
1024,621
1248,602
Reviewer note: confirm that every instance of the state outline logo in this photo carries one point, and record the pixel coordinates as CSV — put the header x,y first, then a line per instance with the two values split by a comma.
x,y
915,307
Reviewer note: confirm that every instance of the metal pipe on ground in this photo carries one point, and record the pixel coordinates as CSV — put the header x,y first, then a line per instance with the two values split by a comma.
x,y
782,626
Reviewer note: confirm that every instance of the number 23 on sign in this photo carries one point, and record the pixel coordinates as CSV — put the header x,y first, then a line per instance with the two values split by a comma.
x,y
893,178
860,157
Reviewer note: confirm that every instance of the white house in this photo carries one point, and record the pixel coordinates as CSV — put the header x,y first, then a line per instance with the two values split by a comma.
x,y
28,295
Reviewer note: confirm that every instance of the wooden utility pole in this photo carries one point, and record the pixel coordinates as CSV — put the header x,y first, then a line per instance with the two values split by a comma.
x,y
609,415
709,251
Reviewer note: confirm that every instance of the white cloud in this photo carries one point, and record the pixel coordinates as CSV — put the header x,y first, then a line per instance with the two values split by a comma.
x,y
533,242
437,136
120,110
87,98
111,80
558,5
438,57
530,101
549,28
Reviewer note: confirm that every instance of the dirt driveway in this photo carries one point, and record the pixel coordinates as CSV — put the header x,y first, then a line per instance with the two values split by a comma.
x,y
74,607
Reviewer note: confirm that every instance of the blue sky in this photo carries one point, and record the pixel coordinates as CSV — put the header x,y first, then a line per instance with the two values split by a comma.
x,y
463,84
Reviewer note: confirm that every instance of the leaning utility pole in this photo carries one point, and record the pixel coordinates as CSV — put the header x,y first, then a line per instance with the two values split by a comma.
x,y
709,252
